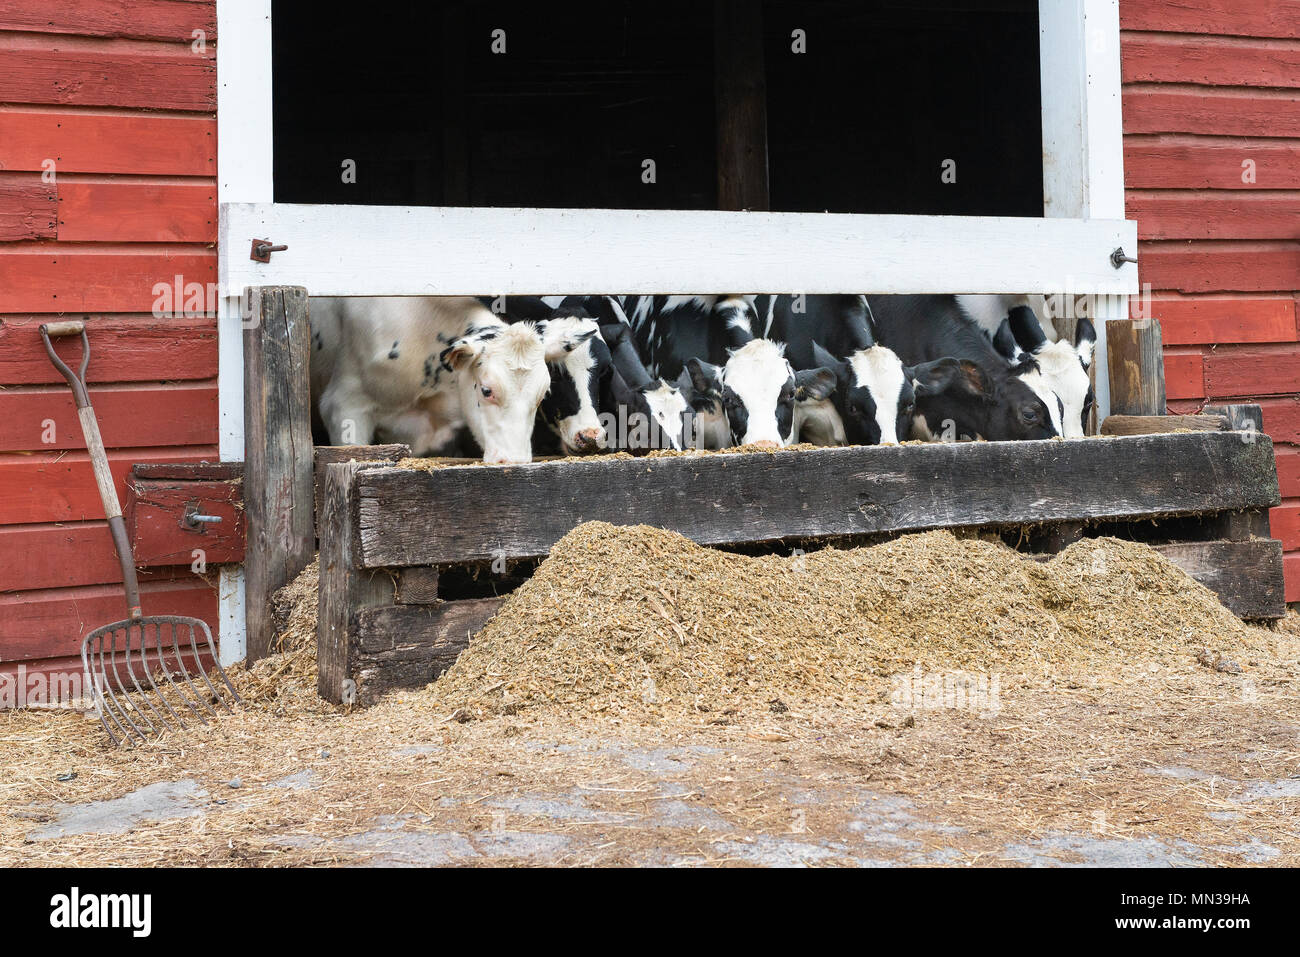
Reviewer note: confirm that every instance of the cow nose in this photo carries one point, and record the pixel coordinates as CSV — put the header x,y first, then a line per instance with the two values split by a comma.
x,y
764,444
588,440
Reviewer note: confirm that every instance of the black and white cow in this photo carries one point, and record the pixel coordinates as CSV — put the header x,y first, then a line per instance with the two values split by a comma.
x,y
707,344
640,412
1062,366
875,393
419,370
568,420
984,395
1018,326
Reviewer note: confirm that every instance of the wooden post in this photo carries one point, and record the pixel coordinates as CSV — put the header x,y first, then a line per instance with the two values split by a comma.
x,y
740,102
1137,367
345,588
330,454
278,453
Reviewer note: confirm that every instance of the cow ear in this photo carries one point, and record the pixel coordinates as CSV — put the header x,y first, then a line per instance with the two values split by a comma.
x,y
562,335
614,333
623,394
813,385
972,378
1026,328
1004,341
932,378
705,378
828,361
1085,340
461,353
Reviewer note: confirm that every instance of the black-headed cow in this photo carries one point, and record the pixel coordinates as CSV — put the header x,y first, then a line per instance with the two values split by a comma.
x,y
983,395
874,397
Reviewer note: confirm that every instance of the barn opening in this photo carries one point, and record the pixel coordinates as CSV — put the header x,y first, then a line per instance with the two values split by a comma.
x,y
883,106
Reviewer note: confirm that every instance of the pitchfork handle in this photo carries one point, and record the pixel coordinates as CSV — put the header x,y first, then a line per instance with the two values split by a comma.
x,y
98,456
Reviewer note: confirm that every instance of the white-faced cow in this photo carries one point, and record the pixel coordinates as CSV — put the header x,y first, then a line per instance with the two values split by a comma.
x,y
728,368
420,369
568,420
985,396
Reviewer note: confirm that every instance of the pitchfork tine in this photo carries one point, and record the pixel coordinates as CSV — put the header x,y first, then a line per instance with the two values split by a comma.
x,y
180,661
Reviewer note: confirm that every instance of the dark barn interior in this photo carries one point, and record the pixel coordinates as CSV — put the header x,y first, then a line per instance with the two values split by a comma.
x,y
585,92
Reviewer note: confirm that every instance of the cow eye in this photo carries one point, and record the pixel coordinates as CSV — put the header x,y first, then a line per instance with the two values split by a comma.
x,y
1029,414
486,390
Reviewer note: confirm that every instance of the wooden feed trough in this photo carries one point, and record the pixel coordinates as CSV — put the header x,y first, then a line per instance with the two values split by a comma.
x,y
388,533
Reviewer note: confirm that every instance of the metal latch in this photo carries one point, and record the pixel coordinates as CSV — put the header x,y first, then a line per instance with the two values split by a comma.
x,y
262,249
1118,258
192,521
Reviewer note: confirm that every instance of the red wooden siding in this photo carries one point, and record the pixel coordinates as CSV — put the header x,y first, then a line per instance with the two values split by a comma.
x,y
107,195
1212,166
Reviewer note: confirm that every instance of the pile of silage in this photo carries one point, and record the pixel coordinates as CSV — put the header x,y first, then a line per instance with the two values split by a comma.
x,y
284,682
622,616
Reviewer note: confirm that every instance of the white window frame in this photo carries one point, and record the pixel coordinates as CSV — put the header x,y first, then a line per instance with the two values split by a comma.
x,y
384,250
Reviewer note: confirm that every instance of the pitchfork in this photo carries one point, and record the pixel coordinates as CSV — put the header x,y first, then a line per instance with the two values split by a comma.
x,y
116,657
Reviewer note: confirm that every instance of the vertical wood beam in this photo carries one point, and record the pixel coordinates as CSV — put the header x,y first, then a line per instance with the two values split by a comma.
x,y
278,488
344,588
740,102
1137,367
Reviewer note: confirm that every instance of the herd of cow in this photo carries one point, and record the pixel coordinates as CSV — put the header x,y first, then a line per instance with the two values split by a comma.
x,y
515,376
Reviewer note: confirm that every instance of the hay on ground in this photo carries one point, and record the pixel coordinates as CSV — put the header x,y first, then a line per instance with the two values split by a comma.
x,y
622,617
285,681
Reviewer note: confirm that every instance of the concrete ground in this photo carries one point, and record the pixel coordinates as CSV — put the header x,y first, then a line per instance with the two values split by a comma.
x,y
1055,777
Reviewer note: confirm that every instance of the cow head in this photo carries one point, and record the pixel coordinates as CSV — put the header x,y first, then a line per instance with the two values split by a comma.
x,y
1060,374
501,377
759,392
700,385
965,399
579,362
654,414
875,394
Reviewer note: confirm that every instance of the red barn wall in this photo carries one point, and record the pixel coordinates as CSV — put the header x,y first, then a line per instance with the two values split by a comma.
x,y
1209,85
116,100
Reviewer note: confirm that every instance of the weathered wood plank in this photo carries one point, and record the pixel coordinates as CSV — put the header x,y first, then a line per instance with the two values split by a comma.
x,y
407,646
126,349
28,209
344,589
522,510
1156,424
1247,576
325,455
1137,369
95,278
138,144
166,78
278,486
189,471
1253,371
